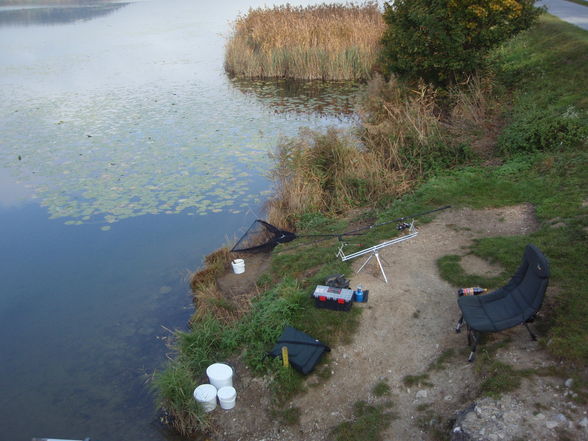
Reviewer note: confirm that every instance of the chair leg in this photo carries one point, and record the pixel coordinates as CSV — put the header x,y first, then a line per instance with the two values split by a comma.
x,y
459,325
473,339
533,336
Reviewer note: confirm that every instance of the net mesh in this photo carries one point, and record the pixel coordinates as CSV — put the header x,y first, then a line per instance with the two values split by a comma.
x,y
262,236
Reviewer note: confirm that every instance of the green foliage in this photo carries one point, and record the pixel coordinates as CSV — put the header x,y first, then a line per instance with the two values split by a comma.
x,y
417,380
537,128
498,377
367,425
439,363
443,40
270,314
207,342
288,417
286,382
381,388
174,387
545,66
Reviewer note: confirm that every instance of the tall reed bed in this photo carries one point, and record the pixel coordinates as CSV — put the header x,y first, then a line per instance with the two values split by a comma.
x,y
320,42
404,136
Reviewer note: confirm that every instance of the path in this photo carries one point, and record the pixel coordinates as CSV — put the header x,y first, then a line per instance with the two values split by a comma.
x,y
571,12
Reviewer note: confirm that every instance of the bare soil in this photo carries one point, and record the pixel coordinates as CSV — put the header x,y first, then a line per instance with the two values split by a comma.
x,y
405,326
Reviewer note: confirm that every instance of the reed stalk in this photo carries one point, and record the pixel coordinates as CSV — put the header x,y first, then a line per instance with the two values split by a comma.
x,y
321,42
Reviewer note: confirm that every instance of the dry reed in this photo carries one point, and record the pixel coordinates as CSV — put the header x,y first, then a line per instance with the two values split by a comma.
x,y
405,135
326,42
328,172
208,298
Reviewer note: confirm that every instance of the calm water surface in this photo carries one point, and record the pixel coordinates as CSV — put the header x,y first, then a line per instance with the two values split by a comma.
x,y
125,156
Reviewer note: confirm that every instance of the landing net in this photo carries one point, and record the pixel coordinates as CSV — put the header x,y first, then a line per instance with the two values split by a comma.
x,y
262,236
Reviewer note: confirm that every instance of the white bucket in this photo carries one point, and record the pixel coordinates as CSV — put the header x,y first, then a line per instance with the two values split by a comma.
x,y
238,266
220,375
226,397
205,394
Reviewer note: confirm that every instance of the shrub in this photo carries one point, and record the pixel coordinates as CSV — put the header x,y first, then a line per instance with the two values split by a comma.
x,y
538,129
443,40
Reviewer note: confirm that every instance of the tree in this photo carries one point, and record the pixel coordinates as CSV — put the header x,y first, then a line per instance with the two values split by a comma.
x,y
442,41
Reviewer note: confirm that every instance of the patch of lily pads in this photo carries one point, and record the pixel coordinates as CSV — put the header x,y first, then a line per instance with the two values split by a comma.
x,y
102,158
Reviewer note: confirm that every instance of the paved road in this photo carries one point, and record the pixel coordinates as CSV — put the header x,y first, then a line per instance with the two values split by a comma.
x,y
568,11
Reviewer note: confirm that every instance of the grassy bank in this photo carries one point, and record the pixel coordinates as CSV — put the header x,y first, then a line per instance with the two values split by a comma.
x,y
421,148
323,42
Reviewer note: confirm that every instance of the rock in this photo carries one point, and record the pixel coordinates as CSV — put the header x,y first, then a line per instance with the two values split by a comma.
x,y
493,437
421,394
561,418
584,422
551,424
448,397
569,382
540,416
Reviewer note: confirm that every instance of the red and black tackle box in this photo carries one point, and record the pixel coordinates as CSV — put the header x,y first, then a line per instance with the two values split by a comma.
x,y
338,299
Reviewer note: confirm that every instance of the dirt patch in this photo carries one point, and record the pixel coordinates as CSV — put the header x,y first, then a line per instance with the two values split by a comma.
x,y
476,266
241,287
405,327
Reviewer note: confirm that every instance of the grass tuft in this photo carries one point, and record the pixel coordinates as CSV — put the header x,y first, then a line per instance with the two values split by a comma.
x,y
368,423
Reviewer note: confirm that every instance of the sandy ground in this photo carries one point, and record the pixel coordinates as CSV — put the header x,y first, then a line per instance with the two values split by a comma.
x,y
406,324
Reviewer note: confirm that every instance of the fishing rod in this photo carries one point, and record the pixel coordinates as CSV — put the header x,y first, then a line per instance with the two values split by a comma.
x,y
262,235
400,219
369,227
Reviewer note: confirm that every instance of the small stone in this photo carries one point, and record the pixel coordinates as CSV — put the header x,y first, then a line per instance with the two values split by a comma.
x,y
551,424
448,397
561,417
584,422
569,382
540,416
493,437
421,394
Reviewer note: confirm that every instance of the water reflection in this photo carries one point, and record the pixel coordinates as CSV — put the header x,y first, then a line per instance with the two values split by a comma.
x,y
320,97
55,15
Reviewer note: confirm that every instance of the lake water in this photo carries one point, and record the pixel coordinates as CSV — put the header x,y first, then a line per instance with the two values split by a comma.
x,y
126,155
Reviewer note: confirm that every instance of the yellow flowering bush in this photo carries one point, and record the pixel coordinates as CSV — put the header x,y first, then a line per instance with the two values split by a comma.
x,y
442,41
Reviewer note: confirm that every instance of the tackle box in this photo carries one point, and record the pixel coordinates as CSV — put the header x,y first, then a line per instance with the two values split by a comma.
x,y
338,299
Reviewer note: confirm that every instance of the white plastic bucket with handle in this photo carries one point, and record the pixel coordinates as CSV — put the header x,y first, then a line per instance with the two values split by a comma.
x,y
220,375
238,266
226,397
205,394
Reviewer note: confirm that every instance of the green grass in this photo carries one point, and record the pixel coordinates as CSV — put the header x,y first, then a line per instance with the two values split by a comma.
x,y
442,360
381,389
421,380
287,417
497,377
451,270
368,423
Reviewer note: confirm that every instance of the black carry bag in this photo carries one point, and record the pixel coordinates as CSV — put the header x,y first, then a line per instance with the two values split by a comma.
x,y
304,352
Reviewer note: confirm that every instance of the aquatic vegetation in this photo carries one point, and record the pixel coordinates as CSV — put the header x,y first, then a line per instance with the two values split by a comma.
x,y
104,158
325,42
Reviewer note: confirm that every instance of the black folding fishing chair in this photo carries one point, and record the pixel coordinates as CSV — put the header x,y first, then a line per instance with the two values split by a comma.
x,y
514,304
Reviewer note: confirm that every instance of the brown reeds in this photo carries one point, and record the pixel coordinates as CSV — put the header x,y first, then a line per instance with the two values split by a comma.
x,y
405,135
208,298
327,172
325,42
